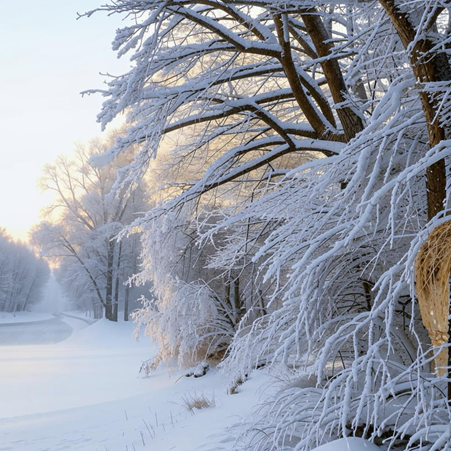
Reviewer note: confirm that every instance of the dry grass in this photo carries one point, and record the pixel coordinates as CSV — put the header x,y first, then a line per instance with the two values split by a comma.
x,y
432,272
233,389
202,401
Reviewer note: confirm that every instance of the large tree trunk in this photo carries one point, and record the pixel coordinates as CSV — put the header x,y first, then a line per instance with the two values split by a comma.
x,y
427,68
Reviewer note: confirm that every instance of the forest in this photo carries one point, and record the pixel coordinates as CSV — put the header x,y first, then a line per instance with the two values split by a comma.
x,y
23,275
279,198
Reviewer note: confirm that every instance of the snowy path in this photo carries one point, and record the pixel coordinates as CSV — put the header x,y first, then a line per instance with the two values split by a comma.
x,y
84,394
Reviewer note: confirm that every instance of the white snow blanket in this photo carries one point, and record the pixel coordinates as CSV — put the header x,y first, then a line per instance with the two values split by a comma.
x,y
84,394
349,444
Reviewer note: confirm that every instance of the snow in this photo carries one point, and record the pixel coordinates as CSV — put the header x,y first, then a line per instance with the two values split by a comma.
x,y
349,444
23,317
53,299
98,359
84,393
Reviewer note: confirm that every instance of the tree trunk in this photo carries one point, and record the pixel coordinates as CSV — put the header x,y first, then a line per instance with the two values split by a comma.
x,y
114,312
116,285
109,282
239,306
351,122
27,298
126,301
427,68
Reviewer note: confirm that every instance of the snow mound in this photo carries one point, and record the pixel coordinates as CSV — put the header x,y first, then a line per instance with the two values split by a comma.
x,y
349,444
108,334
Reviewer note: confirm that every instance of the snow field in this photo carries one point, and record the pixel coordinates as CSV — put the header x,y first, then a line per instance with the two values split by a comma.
x,y
85,394
23,317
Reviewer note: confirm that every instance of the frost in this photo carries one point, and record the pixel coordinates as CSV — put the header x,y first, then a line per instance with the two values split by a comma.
x,y
292,148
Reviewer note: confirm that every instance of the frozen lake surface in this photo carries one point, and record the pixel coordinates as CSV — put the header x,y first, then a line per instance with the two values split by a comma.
x,y
84,394
34,333
82,370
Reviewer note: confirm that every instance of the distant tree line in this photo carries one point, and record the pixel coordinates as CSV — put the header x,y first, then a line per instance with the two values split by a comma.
x,y
78,233
23,275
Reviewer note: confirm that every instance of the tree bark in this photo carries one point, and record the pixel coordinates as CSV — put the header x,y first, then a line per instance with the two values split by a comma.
x,y
351,122
427,68
289,68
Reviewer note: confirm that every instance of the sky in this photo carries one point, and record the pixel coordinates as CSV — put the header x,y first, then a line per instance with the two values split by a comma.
x,y
47,58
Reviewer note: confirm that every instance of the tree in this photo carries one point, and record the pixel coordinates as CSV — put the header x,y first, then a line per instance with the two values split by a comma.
x,y
332,123
240,87
84,220
23,275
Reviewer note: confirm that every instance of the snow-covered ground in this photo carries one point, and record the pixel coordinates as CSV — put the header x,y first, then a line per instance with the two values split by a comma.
x,y
23,317
84,393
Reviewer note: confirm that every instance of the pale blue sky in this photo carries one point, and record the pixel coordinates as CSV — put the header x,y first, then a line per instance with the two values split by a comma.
x,y
47,57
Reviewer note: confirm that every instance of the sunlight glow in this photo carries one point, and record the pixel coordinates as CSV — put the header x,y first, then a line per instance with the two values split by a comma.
x,y
50,57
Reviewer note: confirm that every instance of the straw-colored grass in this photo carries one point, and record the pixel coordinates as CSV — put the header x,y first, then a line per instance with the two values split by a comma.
x,y
432,273
202,401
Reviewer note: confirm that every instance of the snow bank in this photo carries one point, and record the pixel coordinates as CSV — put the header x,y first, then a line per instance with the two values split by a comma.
x,y
104,333
349,444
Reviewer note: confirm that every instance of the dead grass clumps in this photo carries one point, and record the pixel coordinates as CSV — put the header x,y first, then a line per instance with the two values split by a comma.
x,y
233,389
202,401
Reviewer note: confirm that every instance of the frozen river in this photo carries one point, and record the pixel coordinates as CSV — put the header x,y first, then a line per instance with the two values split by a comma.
x,y
57,364
34,333
84,393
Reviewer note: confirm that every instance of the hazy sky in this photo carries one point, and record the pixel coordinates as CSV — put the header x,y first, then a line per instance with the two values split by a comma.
x,y
47,57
